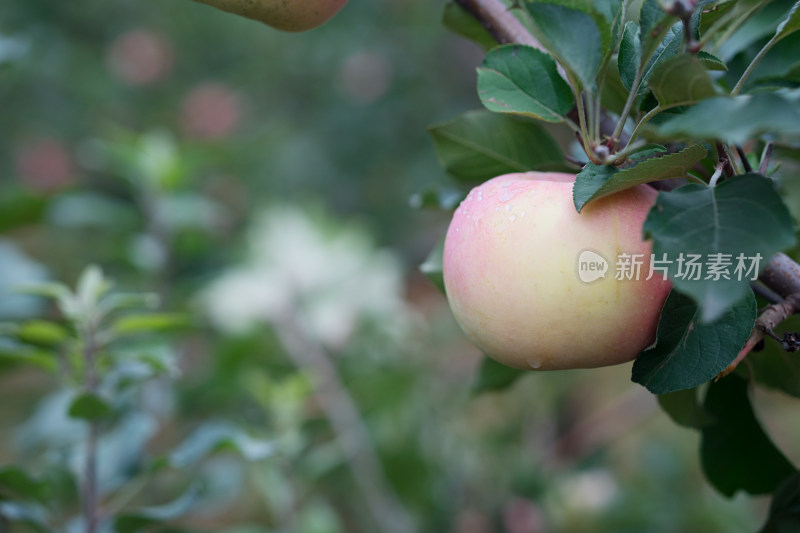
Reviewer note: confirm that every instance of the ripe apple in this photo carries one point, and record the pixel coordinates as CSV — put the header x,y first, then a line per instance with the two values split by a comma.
x,y
286,15
511,271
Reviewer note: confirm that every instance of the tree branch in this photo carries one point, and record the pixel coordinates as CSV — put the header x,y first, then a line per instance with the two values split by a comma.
x,y
343,414
500,22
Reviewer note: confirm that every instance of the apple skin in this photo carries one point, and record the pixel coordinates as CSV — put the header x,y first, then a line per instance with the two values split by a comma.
x,y
286,15
511,274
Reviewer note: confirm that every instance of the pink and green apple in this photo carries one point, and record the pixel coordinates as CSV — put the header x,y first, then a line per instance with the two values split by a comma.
x,y
512,270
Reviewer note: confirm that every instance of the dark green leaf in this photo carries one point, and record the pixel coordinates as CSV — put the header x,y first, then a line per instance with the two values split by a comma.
x,y
19,208
17,483
669,47
689,352
480,145
494,376
735,452
790,24
523,80
784,511
596,181
464,24
683,408
432,267
629,58
738,119
654,23
89,406
572,36
137,520
708,234
681,80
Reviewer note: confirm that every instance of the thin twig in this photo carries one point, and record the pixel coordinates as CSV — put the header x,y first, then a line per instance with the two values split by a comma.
x,y
765,325
342,413
90,495
766,155
743,157
725,157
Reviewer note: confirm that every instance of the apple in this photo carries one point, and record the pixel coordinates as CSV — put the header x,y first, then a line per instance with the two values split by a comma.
x,y
286,15
512,264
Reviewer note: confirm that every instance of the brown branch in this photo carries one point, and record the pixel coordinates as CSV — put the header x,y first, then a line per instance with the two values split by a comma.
x,y
782,275
500,22
765,325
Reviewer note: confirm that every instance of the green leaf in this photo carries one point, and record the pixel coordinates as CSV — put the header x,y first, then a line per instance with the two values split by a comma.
x,y
761,22
735,452
462,23
149,323
654,23
46,290
689,352
681,80
137,520
737,226
432,266
19,208
494,376
629,58
572,36
736,120
523,80
42,332
91,287
683,408
13,354
89,406
119,301
17,483
790,24
710,61
596,181
480,145
213,437
647,152
784,511
669,47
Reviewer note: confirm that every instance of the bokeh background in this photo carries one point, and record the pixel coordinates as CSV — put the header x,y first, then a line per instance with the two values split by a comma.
x,y
268,185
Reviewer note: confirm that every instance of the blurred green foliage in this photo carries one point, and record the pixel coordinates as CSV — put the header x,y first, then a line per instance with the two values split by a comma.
x,y
150,138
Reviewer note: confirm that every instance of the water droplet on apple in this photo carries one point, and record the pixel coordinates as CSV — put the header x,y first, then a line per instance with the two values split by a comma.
x,y
512,218
534,364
